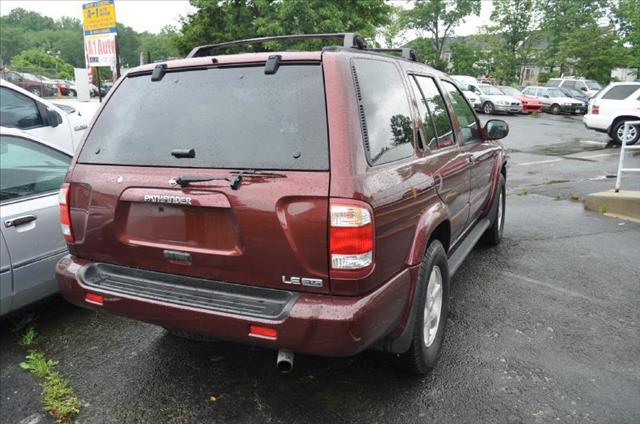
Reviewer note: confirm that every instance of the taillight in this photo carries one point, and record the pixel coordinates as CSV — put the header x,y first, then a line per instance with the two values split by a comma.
x,y
595,110
65,215
351,235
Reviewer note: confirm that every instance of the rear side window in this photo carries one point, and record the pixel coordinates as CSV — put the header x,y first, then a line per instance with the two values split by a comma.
x,y
620,92
569,84
466,118
439,113
28,168
18,110
425,115
553,83
237,118
384,111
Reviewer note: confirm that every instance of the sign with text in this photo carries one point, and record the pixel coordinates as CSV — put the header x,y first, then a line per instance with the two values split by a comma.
x,y
100,50
99,17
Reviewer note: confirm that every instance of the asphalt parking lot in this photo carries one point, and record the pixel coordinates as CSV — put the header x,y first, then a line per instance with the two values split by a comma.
x,y
543,328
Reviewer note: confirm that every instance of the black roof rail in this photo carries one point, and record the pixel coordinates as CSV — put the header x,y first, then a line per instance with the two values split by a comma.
x,y
349,39
406,53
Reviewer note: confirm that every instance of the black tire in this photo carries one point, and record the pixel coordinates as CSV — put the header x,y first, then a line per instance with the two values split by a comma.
x,y
618,128
189,335
555,109
420,358
73,93
493,235
488,108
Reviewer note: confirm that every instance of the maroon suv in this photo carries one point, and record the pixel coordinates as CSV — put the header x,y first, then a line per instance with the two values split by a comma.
x,y
312,202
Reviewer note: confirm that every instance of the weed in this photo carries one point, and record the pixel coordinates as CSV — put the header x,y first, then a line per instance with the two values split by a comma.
x,y
27,338
574,197
523,192
602,209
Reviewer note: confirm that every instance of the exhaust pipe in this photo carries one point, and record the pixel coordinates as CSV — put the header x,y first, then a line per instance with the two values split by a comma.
x,y
284,362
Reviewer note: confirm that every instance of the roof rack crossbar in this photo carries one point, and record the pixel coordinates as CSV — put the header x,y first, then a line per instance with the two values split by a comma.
x,y
349,39
407,53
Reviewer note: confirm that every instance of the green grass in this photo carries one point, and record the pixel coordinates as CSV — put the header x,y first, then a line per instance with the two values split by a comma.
x,y
602,209
58,397
523,192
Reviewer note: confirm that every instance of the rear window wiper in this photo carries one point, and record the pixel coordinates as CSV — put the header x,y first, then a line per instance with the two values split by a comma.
x,y
254,172
185,180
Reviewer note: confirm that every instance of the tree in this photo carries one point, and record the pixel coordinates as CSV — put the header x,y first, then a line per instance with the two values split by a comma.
x,y
225,20
626,15
513,38
38,60
464,56
160,46
436,19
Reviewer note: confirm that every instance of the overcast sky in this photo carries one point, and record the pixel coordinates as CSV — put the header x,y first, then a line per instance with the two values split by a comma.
x,y
153,15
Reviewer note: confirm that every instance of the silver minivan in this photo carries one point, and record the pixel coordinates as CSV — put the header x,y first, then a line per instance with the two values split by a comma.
x,y
31,241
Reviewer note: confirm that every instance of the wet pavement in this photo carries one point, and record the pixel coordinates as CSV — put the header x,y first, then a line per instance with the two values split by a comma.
x,y
543,328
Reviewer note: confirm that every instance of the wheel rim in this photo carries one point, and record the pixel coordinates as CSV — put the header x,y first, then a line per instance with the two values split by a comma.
x,y
631,134
433,306
487,108
500,209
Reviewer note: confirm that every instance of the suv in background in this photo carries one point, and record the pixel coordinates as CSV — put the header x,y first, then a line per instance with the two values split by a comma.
x,y
554,100
612,107
330,224
588,87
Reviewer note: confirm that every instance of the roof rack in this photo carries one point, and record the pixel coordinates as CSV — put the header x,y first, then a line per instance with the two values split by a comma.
x,y
349,40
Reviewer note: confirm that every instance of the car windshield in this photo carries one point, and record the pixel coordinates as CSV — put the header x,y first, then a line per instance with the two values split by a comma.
x,y
510,91
554,92
574,92
490,90
593,85
232,117
31,77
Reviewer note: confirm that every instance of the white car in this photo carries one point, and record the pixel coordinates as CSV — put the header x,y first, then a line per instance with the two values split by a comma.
x,y
554,100
473,98
588,87
463,81
493,100
25,111
611,107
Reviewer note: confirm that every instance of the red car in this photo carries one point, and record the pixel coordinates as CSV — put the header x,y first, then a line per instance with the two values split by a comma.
x,y
529,104
313,202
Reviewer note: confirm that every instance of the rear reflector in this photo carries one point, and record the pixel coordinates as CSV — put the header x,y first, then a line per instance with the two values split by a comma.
x,y
264,332
96,299
351,238
595,110
65,215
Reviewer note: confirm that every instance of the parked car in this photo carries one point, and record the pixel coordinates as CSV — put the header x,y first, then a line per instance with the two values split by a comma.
x,y
29,82
31,242
331,224
554,100
73,91
575,94
63,86
612,107
34,115
529,104
493,100
588,87
463,81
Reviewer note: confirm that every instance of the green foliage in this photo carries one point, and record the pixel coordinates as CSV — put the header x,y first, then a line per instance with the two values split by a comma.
x,y
159,46
464,59
225,20
437,19
626,15
513,39
543,77
38,60
28,337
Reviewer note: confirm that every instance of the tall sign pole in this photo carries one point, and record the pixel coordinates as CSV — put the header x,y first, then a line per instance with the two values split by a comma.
x,y
100,36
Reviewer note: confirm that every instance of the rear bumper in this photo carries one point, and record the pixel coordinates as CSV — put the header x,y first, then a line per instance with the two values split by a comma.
x,y
313,323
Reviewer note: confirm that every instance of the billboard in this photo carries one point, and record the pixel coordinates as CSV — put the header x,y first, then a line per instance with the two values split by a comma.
x,y
99,25
100,50
99,17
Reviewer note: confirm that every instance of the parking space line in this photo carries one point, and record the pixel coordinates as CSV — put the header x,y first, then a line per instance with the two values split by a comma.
x,y
549,286
539,162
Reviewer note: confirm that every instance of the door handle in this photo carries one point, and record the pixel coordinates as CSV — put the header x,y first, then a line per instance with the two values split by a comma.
x,y
471,159
21,220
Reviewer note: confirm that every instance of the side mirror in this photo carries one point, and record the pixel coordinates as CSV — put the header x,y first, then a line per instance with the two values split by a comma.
x,y
495,129
53,118
583,88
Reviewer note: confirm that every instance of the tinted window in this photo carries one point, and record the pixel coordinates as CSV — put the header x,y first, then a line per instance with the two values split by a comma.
x,y
569,84
553,83
27,168
18,110
232,117
387,127
620,92
438,110
431,139
466,118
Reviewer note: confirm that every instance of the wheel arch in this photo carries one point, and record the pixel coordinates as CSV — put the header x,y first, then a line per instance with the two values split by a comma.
x,y
621,118
433,224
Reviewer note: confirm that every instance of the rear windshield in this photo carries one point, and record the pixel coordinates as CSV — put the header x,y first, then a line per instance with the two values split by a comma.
x,y
236,118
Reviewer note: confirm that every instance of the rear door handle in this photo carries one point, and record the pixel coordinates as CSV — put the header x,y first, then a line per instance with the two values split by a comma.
x,y
21,220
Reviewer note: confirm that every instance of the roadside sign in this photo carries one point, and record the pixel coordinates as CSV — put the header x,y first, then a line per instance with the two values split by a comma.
x,y
99,17
100,50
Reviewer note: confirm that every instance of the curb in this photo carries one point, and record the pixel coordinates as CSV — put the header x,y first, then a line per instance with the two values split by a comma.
x,y
624,204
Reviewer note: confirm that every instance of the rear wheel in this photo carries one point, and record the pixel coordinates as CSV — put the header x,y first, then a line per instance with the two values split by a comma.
x,y
432,297
555,109
633,133
36,91
488,108
493,235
